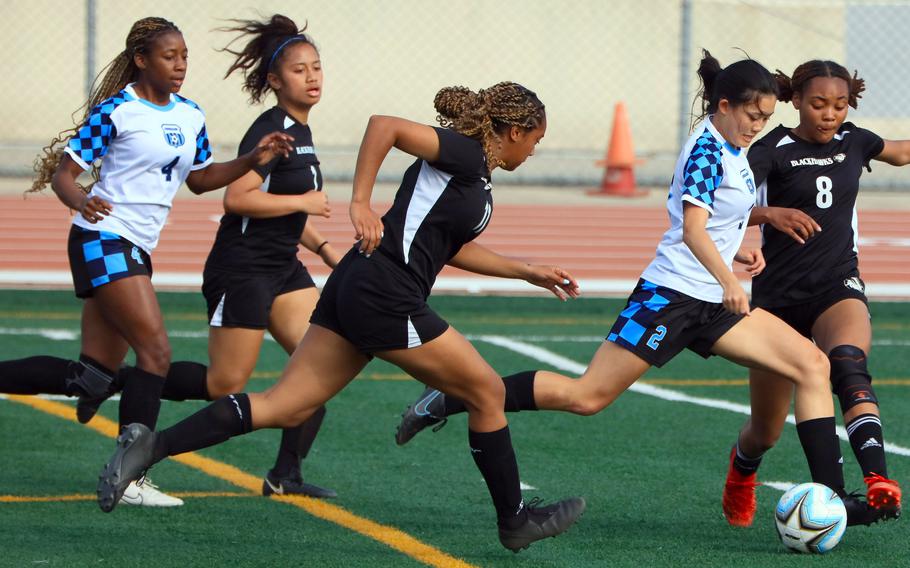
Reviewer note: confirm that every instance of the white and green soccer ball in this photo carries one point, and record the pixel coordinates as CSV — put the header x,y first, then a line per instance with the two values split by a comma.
x,y
810,517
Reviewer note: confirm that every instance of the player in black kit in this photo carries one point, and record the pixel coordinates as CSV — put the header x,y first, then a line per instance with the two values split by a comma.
x,y
374,303
252,280
809,179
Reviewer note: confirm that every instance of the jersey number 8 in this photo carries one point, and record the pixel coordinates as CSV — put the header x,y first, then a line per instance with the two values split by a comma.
x,y
824,197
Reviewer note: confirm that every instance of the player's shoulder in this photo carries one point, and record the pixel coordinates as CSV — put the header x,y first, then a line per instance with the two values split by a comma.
x,y
181,100
110,104
778,137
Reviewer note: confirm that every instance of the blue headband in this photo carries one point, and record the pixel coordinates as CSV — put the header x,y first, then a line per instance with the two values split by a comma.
x,y
283,45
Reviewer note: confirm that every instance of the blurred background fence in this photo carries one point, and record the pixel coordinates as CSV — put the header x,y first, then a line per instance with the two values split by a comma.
x,y
391,56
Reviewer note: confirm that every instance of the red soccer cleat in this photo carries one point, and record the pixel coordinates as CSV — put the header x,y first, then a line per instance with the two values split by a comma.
x,y
883,494
739,496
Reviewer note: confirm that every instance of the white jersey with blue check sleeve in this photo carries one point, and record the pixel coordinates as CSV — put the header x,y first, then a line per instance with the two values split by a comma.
x,y
715,175
146,152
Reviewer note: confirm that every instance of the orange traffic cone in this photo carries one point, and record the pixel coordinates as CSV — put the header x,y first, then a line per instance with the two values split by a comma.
x,y
619,177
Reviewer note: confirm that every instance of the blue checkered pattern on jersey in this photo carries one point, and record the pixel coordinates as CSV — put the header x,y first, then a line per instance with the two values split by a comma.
x,y
639,314
704,170
203,152
93,138
187,101
104,257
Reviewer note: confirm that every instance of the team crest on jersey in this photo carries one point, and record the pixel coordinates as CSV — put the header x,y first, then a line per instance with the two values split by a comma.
x,y
839,157
173,135
747,176
855,283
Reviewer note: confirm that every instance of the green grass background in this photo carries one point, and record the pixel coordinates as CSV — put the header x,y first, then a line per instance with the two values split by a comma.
x,y
650,470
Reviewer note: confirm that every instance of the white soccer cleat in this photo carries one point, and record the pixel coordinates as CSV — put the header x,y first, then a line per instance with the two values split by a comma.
x,y
148,495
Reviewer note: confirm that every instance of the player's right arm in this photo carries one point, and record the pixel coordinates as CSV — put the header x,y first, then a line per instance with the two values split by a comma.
x,y
92,209
696,237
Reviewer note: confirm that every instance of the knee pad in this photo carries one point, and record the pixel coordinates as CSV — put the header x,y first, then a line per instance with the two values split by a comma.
x,y
87,378
850,380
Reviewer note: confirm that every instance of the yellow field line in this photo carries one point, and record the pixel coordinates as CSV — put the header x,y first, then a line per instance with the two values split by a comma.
x,y
744,382
87,497
387,535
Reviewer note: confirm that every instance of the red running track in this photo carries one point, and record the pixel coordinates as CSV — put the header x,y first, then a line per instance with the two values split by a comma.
x,y
596,244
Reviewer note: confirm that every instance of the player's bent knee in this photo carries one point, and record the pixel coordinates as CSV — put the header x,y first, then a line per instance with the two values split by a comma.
x,y
850,378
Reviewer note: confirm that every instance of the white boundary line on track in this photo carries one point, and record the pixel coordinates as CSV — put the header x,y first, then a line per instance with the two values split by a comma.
x,y
467,284
566,364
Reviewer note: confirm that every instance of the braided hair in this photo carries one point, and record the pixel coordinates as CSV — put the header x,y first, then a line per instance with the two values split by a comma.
x,y
263,51
486,114
111,80
818,68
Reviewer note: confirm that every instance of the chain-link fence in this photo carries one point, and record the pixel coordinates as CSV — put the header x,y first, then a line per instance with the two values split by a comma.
x,y
391,56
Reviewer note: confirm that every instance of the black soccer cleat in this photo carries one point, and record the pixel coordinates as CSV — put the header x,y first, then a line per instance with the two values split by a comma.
x,y
860,513
293,484
426,411
131,459
542,522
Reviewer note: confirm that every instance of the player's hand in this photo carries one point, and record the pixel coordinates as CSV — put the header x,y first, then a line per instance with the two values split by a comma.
x,y
315,203
367,227
736,300
271,146
753,259
562,284
799,225
93,209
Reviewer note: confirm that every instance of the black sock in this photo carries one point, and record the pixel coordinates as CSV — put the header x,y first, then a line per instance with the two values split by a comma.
x,y
495,458
822,448
35,375
744,464
868,443
519,394
520,391
140,400
223,419
186,380
296,443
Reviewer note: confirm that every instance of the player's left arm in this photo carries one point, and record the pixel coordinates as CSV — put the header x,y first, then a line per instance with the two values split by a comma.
x,y
895,152
477,258
217,175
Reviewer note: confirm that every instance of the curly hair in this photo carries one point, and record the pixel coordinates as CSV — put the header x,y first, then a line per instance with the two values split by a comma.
x,y
486,114
818,68
262,51
111,80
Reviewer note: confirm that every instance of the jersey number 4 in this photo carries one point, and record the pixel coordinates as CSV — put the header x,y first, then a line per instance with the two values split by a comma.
x,y
824,198
166,170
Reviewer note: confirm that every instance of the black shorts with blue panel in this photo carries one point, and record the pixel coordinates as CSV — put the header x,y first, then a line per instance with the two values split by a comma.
x,y
657,323
99,257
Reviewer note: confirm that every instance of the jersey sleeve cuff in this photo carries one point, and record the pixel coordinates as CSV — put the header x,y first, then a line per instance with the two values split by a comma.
x,y
203,165
77,158
696,202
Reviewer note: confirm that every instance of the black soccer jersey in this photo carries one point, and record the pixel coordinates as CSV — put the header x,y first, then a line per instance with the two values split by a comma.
x,y
264,245
439,207
822,180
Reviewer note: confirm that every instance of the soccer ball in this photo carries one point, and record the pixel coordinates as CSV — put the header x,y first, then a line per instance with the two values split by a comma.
x,y
810,518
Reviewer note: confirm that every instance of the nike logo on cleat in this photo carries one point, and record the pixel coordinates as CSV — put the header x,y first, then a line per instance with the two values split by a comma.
x,y
421,407
277,490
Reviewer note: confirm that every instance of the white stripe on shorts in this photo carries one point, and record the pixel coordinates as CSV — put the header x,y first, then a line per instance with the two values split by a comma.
x,y
413,338
216,317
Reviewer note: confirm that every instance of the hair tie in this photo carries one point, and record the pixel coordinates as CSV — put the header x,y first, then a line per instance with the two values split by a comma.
x,y
282,46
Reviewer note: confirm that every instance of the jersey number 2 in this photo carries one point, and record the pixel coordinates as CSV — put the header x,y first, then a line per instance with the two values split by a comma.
x,y
166,170
654,340
824,198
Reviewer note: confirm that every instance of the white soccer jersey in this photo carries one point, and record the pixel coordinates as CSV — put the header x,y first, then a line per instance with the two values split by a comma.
x,y
148,151
713,174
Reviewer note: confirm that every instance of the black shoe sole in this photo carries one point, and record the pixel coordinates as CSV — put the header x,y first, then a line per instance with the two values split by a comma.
x,y
583,506
111,482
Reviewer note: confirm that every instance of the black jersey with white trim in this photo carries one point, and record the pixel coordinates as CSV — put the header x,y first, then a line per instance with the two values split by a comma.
x,y
823,181
439,207
266,244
